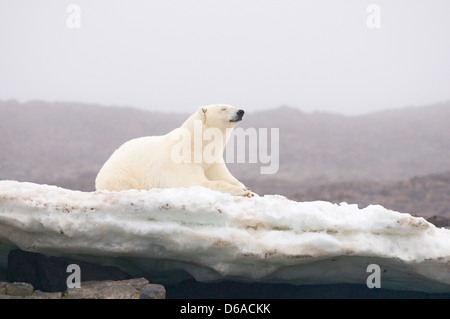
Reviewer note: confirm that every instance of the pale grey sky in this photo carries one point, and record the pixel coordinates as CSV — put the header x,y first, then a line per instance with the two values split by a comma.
x,y
175,55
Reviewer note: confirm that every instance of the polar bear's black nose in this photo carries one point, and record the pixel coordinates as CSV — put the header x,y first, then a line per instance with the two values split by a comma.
x,y
240,113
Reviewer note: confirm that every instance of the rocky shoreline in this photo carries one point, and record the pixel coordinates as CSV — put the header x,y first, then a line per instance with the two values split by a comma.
x,y
138,288
35,276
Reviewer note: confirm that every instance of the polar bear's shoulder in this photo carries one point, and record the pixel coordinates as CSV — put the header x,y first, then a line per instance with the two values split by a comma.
x,y
141,143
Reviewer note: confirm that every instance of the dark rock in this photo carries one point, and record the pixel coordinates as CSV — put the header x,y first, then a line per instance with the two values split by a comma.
x,y
153,291
3,287
10,297
49,274
20,289
86,291
191,289
45,295
117,290
3,274
123,289
439,221
137,283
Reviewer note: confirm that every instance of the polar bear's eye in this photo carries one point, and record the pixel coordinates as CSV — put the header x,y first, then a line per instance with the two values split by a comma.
x,y
224,109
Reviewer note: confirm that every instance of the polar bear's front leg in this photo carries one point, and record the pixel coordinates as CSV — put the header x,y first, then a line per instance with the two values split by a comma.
x,y
220,172
194,175
226,187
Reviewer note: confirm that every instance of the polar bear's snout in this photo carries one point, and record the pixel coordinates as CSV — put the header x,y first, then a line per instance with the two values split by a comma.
x,y
238,116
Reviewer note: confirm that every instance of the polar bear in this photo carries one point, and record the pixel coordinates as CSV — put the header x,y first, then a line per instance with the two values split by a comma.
x,y
178,159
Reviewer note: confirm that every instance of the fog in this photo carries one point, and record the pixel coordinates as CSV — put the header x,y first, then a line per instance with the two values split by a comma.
x,y
255,54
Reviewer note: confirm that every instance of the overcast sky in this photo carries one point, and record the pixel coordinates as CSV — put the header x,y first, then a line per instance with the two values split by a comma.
x,y
175,55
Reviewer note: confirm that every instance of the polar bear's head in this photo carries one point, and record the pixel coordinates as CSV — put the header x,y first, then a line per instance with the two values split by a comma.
x,y
220,115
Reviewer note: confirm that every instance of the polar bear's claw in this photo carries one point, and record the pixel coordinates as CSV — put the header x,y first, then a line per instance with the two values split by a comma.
x,y
248,193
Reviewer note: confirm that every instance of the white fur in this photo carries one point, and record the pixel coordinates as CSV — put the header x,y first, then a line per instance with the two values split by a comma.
x,y
147,162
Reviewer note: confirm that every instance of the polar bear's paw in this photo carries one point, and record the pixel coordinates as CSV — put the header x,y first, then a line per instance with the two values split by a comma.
x,y
248,193
236,190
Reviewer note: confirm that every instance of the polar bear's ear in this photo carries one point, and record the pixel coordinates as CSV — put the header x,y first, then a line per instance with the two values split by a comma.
x,y
202,111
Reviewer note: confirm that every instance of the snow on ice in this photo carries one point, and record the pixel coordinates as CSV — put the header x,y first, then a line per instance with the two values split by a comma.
x,y
175,233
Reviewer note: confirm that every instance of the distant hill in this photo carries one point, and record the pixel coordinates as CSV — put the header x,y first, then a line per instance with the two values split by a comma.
x,y
322,148
422,196
66,144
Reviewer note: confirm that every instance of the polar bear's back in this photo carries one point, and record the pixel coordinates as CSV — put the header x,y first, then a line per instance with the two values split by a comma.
x,y
129,164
